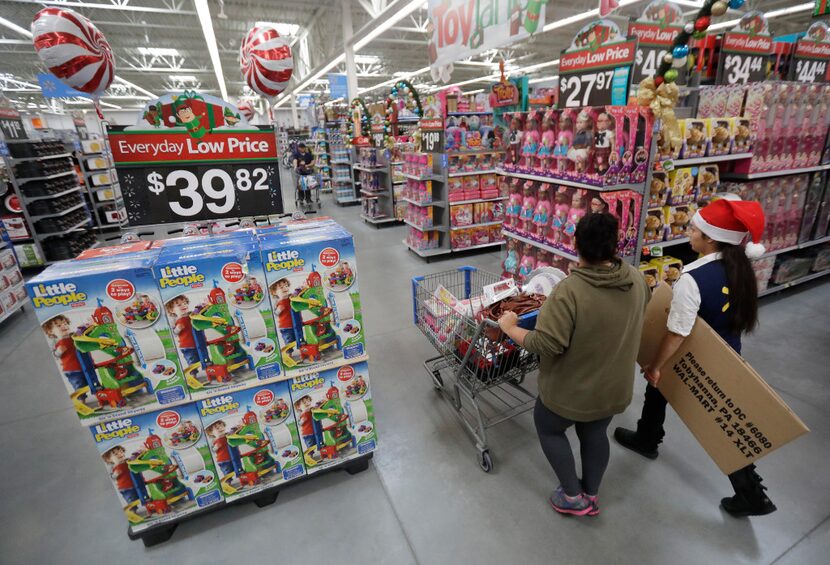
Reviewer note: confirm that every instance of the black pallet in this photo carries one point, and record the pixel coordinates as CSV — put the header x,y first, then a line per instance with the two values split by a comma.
x,y
162,532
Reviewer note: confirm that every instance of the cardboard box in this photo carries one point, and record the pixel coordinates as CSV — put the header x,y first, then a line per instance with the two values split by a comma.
x,y
733,413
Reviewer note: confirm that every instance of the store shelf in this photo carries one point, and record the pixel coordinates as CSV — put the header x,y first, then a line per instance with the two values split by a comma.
x,y
469,113
480,246
416,177
50,196
374,194
379,169
426,252
544,246
669,243
64,232
378,219
58,214
49,177
45,158
346,200
474,152
424,205
550,180
482,225
804,245
419,228
396,162
341,162
477,200
705,160
804,279
769,174
471,173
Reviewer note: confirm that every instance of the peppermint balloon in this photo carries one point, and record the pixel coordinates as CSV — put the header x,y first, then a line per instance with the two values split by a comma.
x,y
73,50
266,61
247,110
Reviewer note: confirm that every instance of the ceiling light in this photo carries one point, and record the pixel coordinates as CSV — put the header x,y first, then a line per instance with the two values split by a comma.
x,y
125,82
366,59
183,78
387,23
546,79
806,7
159,51
531,68
14,27
582,16
210,37
396,78
285,30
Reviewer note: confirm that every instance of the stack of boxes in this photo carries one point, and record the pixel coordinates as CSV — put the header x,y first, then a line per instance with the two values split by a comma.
x,y
212,368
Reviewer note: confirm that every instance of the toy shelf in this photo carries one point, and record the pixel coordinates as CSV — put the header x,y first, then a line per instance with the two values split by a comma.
x,y
103,223
43,158
540,245
12,293
471,173
424,228
416,177
703,160
482,225
426,253
479,246
378,219
47,177
438,203
551,180
28,199
470,113
477,200
58,214
662,244
804,279
768,174
375,169
804,245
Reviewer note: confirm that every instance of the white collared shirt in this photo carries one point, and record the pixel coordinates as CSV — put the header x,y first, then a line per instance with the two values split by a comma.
x,y
686,299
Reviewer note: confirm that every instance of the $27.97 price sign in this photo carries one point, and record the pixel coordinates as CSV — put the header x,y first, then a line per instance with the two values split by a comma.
x,y
169,177
743,58
596,77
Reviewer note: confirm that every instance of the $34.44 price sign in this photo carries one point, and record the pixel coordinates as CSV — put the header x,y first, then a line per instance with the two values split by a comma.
x,y
743,58
741,69
172,194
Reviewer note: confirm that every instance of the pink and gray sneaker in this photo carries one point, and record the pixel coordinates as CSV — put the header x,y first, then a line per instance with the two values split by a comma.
x,y
594,500
577,505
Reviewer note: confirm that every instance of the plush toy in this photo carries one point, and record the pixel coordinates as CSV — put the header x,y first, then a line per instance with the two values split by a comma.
x,y
559,219
528,262
720,141
541,215
652,230
679,223
510,265
528,206
742,134
657,192
582,142
695,141
672,274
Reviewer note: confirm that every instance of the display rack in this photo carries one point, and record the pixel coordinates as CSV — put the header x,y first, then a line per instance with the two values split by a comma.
x,y
322,159
12,292
377,201
102,185
54,217
342,157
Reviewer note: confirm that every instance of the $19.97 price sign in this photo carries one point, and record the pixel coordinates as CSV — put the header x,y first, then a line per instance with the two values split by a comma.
x,y
597,77
743,58
168,177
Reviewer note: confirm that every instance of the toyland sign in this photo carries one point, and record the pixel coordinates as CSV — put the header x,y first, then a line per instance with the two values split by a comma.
x,y
744,52
192,158
596,69
462,28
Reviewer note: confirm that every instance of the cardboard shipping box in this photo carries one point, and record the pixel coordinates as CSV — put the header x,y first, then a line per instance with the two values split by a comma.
x,y
732,412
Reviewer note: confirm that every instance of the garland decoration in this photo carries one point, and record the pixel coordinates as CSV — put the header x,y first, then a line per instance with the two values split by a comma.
x,y
357,105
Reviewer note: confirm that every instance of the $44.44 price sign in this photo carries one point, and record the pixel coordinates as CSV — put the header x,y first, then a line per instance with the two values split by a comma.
x,y
596,77
810,62
743,58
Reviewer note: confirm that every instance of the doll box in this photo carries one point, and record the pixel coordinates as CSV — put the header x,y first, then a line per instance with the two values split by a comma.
x,y
335,415
104,322
253,438
314,285
159,464
217,305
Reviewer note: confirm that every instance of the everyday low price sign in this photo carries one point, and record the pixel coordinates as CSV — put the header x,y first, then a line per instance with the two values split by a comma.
x,y
811,60
744,51
195,158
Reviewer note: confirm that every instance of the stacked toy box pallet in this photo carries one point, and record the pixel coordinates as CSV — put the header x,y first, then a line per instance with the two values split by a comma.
x,y
212,369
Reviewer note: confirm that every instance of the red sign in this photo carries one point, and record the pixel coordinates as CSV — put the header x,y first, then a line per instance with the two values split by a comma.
x,y
232,272
734,42
171,147
168,419
120,289
362,141
504,94
812,49
329,257
345,373
654,34
431,124
263,398
613,55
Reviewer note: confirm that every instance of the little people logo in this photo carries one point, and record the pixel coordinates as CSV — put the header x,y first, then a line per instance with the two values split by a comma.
x,y
232,272
120,290
64,294
168,419
345,373
329,257
313,380
263,398
115,429
279,260
218,405
181,275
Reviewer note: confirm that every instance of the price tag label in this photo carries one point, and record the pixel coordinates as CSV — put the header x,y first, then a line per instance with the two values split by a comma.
x,y
743,58
432,141
378,139
10,123
654,41
810,62
597,77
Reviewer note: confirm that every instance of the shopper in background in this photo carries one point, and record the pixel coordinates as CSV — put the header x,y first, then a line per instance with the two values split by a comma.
x,y
587,336
303,164
719,287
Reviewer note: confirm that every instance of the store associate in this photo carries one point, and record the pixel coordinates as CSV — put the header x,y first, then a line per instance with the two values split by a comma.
x,y
587,336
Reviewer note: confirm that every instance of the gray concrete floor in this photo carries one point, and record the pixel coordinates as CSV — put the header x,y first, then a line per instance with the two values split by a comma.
x,y
424,499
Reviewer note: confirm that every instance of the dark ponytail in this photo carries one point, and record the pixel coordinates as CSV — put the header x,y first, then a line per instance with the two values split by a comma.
x,y
743,288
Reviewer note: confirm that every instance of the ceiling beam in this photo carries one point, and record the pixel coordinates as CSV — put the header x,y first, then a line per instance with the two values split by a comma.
x,y
109,6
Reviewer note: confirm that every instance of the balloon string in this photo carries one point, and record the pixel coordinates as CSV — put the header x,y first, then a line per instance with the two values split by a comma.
x,y
98,109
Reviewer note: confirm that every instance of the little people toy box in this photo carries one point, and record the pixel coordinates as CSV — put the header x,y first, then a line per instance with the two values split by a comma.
x,y
313,283
216,302
159,464
335,415
253,438
104,322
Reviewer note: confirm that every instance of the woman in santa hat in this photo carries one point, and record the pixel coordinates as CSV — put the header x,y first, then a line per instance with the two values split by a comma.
x,y
719,287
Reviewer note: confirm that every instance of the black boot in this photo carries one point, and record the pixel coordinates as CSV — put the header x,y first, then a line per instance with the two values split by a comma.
x,y
750,498
636,442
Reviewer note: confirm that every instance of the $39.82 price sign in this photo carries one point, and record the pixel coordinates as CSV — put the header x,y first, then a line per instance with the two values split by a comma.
x,y
596,77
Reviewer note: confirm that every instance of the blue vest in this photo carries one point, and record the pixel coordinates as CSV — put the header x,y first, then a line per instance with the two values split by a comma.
x,y
714,300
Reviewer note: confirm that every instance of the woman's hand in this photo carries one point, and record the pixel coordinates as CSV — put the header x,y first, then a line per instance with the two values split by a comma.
x,y
652,374
508,321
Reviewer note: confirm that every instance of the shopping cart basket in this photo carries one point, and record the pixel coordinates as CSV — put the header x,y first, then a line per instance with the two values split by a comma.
x,y
478,369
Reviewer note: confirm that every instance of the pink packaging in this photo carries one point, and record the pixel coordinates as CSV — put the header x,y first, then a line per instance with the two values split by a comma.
x,y
734,101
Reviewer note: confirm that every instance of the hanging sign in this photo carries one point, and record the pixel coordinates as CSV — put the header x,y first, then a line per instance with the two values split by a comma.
x,y
52,87
461,28
10,123
822,8
338,86
194,157
744,51
596,69
503,94
432,114
655,31
811,60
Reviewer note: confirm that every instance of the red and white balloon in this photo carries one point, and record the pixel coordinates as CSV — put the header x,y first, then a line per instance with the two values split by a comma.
x,y
266,61
73,50
247,109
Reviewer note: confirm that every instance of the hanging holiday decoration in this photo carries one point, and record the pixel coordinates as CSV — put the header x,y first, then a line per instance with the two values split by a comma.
x,y
247,109
74,51
266,61
359,123
402,100
655,29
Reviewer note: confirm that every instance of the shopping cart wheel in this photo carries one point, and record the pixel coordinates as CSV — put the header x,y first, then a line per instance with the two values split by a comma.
x,y
485,461
437,381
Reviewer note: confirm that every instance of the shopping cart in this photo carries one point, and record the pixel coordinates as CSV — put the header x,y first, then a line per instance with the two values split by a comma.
x,y
307,183
479,370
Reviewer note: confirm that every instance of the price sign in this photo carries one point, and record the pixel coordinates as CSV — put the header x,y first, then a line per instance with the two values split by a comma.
x,y
432,141
810,62
654,41
378,138
743,58
170,177
597,77
10,123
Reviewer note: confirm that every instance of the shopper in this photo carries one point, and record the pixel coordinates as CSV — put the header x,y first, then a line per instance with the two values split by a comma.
x,y
303,159
587,336
719,287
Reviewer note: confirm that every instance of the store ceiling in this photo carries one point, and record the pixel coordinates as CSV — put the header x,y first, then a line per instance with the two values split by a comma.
x,y
159,44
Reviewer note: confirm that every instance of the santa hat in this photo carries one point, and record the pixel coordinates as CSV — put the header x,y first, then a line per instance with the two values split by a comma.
x,y
734,222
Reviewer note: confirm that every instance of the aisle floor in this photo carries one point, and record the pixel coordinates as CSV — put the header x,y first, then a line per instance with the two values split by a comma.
x,y
424,498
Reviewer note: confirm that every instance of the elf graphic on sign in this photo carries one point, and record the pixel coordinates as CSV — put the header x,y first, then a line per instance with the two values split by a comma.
x,y
153,115
187,117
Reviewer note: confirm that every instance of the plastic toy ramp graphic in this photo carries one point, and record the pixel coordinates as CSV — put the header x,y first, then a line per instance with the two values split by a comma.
x,y
317,332
331,432
156,477
78,404
129,511
249,450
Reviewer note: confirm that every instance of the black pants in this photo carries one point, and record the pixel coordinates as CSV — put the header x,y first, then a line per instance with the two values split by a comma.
x,y
305,193
593,446
650,431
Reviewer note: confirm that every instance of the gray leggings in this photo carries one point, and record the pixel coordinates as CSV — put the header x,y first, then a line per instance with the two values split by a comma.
x,y
593,446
